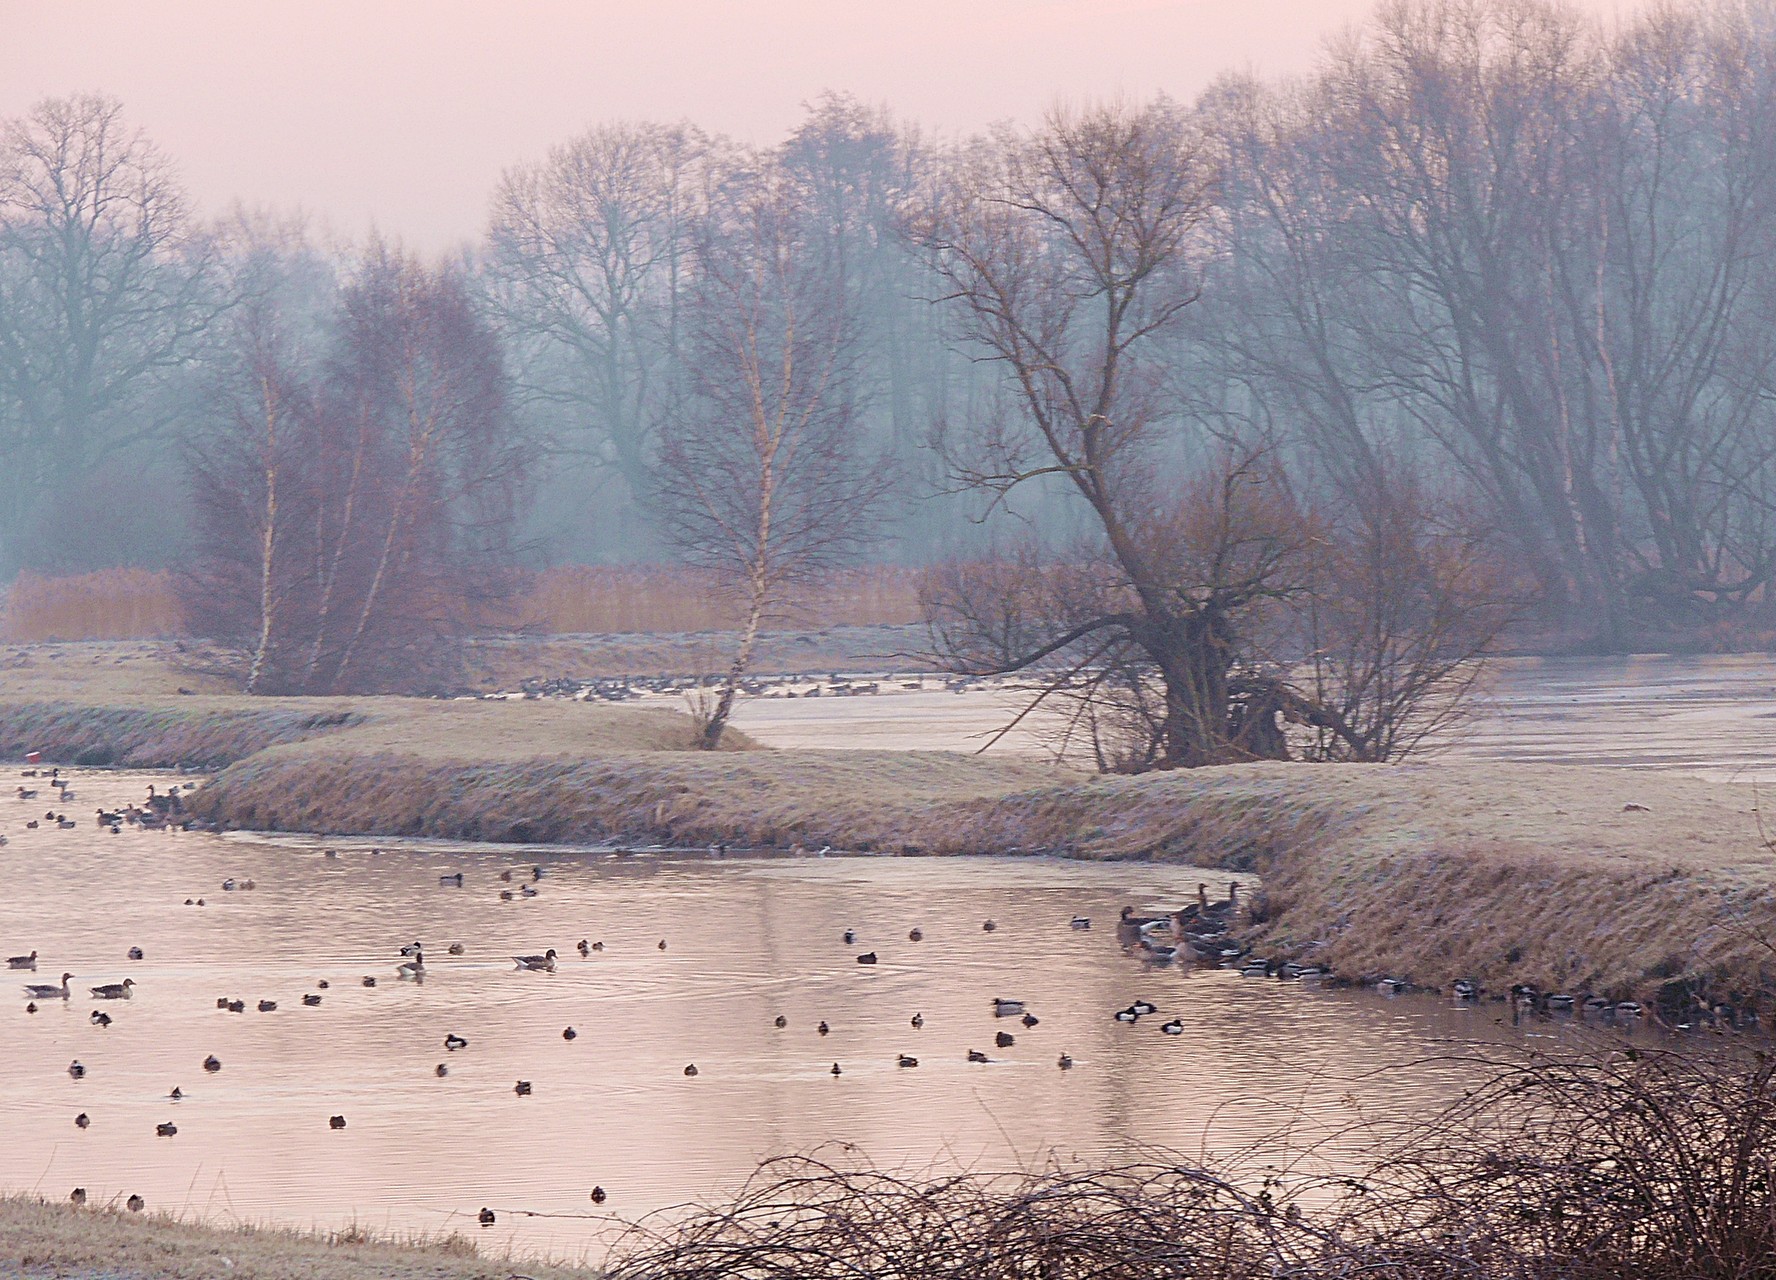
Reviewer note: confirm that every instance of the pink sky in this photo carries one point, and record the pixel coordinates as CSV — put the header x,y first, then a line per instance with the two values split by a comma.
x,y
402,113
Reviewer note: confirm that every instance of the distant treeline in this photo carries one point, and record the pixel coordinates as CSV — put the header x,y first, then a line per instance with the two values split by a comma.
x,y
1523,258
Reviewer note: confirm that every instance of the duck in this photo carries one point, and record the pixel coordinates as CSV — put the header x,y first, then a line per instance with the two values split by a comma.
x,y
570,1034
599,1195
546,961
114,990
82,1120
662,944
906,1060
1561,1003
987,926
311,1000
441,1071
598,946
780,1022
1082,923
1029,1020
1255,969
823,1028
22,962
1004,1039
38,991
868,957
367,981
585,948
1392,986
1173,1028
455,949
75,1069
1127,1015
522,1088
1144,1007
100,1018
78,1196
454,881
166,1129
916,935
485,1217
850,936
525,891
1003,1008
691,1069
1065,1062
236,1006
31,1007
268,1006
336,1122
176,1094
918,1021
1467,989
975,1055
411,949
453,1042
835,1070
1159,953
212,1064
135,953
135,1204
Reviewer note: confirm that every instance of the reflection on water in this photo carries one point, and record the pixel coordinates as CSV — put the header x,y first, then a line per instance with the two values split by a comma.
x,y
746,941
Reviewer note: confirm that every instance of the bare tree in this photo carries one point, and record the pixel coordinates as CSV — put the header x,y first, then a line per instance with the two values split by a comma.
x,y
763,478
105,286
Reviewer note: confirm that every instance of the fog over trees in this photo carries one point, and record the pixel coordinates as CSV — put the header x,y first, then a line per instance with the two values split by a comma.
x,y
1481,309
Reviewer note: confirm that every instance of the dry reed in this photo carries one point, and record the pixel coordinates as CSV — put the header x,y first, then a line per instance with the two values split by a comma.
x,y
108,604
586,599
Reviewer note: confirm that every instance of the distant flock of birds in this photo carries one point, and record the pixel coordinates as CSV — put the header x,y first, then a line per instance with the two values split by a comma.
x,y
795,685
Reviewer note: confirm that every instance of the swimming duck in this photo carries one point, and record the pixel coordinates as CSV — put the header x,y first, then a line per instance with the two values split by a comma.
x,y
570,1034
868,957
212,1064
1003,1008
585,948
311,1000
975,1055
135,953
987,926
906,1060
38,991
522,1088
525,891
505,895
823,1028
850,936
22,962
411,949
1029,1020
176,1094
1561,1004
1392,986
780,1022
917,935
598,946
31,1007
662,944
455,949
599,1195
1466,989
336,1122
75,1069
691,1070
77,1196
228,885
82,1120
100,1018
114,990
453,1042
506,875
268,1006
485,1217
1144,1007
918,1021
1173,1028
1127,1015
546,961
441,1071
236,1006
835,1070
453,881
1004,1039
135,1204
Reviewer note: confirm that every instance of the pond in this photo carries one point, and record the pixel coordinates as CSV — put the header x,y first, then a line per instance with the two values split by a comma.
x,y
746,941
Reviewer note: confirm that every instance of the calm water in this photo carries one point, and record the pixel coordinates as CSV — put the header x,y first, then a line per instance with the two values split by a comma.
x,y
747,940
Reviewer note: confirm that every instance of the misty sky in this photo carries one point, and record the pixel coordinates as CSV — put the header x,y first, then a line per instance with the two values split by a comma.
x,y
402,113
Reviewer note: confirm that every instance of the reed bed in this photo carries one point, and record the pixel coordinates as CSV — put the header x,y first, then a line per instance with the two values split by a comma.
x,y
639,599
108,604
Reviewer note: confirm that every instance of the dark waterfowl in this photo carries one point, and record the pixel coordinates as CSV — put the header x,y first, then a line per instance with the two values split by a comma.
x,y
336,1122
82,1120
453,1042
691,1069
975,1055
868,957
570,1034
522,1088
212,1064
1004,1039
907,1060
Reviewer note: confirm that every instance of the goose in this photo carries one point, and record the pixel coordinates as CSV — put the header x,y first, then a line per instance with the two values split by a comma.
x,y
114,990
212,1064
336,1122
1065,1062
975,1055
38,991
1174,1028
546,961
453,1042
1003,1008
1081,923
414,968
22,962
75,1069
1159,953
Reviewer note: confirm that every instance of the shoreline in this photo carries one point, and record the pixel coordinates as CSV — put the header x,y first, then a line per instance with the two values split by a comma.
x,y
1579,879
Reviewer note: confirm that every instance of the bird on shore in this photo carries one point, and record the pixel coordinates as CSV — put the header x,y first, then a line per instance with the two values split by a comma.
x,y
22,962
39,991
546,961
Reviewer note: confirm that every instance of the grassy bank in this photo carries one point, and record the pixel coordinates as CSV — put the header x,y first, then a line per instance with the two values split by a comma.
x,y
38,1239
1625,884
